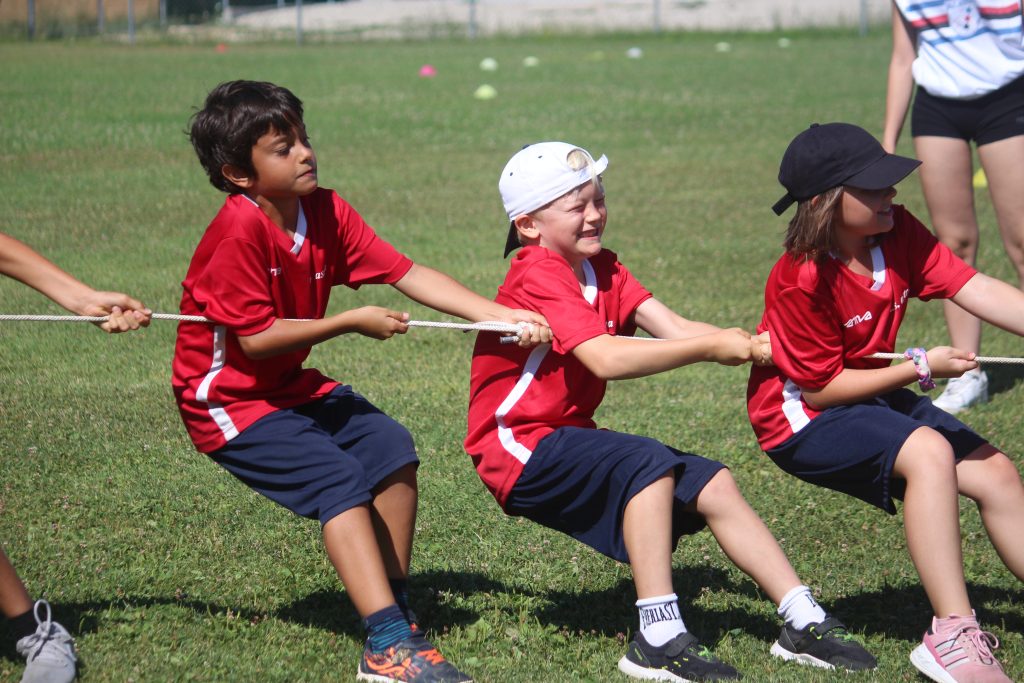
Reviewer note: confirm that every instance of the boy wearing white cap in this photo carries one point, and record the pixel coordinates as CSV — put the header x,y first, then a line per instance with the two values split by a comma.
x,y
535,445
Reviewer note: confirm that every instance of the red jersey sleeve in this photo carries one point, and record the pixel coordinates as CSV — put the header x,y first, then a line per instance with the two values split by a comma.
x,y
362,256
935,272
551,289
807,344
233,288
631,295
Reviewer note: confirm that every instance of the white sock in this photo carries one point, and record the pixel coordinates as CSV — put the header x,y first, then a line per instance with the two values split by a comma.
x,y
660,620
799,608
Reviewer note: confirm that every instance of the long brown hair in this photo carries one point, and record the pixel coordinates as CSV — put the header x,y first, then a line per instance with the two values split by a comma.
x,y
812,231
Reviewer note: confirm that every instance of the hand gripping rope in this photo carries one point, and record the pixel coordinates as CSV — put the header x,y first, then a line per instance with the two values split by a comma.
x,y
511,331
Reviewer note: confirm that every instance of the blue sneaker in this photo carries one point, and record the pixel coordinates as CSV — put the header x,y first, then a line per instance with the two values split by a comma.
x,y
413,659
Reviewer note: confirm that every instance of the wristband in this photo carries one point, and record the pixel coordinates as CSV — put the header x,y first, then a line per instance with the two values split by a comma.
x,y
924,373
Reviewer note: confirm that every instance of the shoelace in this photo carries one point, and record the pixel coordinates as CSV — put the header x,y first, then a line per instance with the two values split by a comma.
x,y
39,641
984,642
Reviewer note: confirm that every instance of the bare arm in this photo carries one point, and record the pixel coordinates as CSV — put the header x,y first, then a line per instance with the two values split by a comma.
x,y
900,86
443,293
662,322
994,301
611,357
22,263
286,336
852,386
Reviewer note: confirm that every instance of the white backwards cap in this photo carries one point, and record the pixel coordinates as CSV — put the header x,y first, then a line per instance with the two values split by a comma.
x,y
536,176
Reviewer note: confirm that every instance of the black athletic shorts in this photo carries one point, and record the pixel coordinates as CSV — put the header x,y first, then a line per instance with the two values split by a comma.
x,y
989,118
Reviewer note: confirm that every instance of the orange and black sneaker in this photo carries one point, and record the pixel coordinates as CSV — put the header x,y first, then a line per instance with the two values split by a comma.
x,y
413,659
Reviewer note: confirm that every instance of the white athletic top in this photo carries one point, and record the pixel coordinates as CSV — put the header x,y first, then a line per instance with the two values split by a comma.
x,y
965,48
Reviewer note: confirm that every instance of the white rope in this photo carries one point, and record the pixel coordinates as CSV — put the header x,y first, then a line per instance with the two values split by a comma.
x,y
980,359
484,326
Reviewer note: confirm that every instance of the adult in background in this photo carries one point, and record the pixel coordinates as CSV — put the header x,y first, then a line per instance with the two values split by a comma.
x,y
967,59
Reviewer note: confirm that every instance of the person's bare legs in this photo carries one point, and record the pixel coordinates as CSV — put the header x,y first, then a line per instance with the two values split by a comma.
x,y
393,511
991,480
931,517
14,598
647,533
946,174
744,537
1002,163
353,549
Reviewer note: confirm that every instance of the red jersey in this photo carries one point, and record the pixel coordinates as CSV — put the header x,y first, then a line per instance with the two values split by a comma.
x,y
823,318
519,396
245,274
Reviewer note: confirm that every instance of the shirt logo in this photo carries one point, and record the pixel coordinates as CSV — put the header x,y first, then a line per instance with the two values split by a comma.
x,y
321,275
964,17
274,272
903,300
858,319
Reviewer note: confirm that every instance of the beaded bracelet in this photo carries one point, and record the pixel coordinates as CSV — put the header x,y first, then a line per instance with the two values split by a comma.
x,y
924,373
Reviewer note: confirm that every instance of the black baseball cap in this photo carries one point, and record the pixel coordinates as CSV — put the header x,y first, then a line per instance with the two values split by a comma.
x,y
832,154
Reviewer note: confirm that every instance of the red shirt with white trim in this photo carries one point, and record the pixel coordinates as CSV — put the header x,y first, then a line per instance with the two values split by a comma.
x,y
824,318
245,274
519,396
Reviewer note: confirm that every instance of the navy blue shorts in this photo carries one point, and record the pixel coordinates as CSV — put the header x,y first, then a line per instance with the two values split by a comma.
x,y
578,481
321,458
989,118
851,449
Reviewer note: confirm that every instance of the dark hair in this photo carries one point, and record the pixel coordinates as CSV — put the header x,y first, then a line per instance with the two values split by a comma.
x,y
812,231
235,115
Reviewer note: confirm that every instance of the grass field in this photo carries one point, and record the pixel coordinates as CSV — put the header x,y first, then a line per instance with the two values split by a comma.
x,y
165,568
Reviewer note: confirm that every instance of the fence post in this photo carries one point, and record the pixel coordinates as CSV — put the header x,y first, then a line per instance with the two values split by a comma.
x,y
471,26
131,22
31,23
298,22
225,11
100,18
657,16
863,17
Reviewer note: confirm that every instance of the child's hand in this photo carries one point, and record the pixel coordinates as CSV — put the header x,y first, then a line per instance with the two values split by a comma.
x,y
125,313
379,323
946,361
761,349
536,332
732,346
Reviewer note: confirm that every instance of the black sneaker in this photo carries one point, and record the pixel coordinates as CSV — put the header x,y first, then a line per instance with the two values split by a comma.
x,y
413,659
682,659
827,645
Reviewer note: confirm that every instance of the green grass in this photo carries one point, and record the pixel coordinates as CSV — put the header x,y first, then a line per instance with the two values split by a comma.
x,y
165,568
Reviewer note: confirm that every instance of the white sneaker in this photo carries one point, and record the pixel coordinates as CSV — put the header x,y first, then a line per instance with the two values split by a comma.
x,y
49,652
963,392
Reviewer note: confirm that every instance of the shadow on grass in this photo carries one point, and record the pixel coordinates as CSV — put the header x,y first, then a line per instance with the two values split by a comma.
x,y
900,613
904,612
1003,377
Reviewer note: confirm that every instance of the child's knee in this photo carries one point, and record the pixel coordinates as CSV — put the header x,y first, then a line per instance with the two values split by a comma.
x,y
925,453
721,490
997,477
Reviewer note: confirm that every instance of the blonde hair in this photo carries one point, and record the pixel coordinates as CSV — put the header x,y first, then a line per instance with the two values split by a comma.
x,y
577,160
812,231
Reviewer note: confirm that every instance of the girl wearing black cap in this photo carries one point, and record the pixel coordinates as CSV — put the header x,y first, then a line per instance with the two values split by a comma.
x,y
831,415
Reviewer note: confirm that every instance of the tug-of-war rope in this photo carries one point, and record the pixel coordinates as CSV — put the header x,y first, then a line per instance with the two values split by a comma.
x,y
510,330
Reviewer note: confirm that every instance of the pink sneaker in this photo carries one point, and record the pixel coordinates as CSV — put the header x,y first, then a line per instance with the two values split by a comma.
x,y
956,650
